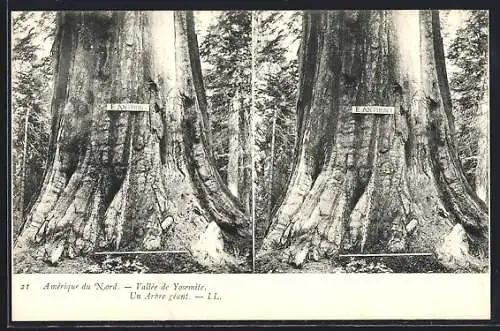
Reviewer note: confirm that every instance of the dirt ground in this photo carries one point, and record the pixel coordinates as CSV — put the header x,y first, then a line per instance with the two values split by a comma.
x,y
159,263
400,264
26,262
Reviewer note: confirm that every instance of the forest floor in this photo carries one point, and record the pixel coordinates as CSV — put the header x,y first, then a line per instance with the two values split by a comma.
x,y
123,264
158,263
271,263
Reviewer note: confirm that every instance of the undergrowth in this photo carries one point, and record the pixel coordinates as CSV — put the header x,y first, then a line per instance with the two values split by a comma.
x,y
27,262
273,263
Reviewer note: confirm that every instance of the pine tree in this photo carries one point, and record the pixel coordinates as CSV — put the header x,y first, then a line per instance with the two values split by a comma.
x,y
226,58
31,89
469,86
276,83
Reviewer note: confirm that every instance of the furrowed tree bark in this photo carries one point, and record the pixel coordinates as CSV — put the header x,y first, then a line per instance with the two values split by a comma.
x,y
131,180
376,183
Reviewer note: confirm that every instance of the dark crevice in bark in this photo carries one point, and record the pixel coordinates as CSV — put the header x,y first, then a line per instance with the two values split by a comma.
x,y
308,53
163,150
199,88
148,76
307,67
439,58
65,45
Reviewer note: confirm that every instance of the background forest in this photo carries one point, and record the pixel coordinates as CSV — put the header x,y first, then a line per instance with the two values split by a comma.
x,y
250,72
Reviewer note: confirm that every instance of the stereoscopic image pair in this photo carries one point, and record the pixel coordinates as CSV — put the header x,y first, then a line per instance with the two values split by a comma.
x,y
250,141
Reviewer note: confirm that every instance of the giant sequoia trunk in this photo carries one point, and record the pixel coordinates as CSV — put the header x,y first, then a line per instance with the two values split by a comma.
x,y
131,180
376,183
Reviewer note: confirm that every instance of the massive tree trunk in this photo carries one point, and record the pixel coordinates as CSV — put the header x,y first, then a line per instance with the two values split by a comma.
x,y
131,180
376,183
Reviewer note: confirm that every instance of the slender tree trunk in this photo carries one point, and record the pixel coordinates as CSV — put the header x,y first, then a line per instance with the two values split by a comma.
x,y
245,166
22,185
271,164
376,183
17,200
233,165
131,180
25,155
239,156
19,175
482,169
253,180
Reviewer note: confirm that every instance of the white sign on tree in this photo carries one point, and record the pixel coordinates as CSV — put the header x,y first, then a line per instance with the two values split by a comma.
x,y
372,110
127,106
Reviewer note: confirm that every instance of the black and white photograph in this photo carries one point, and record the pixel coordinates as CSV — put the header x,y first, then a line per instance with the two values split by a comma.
x,y
116,159
240,141
265,142
390,167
